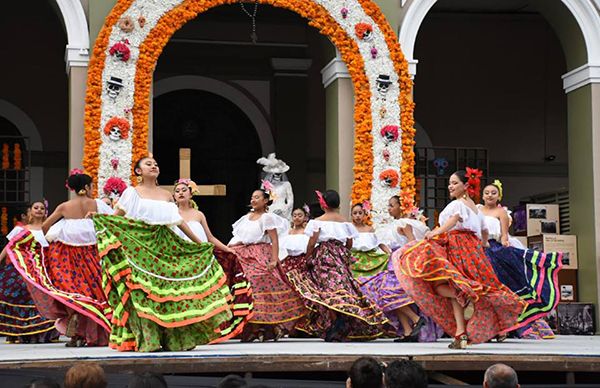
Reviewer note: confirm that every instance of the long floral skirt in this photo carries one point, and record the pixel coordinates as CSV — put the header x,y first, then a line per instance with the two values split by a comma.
x,y
330,291
459,259
19,317
532,275
275,302
164,292
242,304
369,263
65,280
385,290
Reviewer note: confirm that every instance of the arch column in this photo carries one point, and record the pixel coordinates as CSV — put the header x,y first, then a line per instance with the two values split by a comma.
x,y
76,58
339,130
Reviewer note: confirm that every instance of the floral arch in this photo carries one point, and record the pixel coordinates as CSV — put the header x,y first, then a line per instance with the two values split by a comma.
x,y
136,31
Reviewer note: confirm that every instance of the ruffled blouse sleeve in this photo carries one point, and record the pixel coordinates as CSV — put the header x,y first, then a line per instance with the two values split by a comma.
x,y
456,207
129,200
103,208
270,221
16,230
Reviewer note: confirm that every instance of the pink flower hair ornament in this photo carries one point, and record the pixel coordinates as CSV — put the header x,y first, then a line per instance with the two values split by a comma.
x,y
75,171
191,185
321,199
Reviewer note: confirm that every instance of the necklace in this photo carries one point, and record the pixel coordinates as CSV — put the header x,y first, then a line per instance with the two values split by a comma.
x,y
253,35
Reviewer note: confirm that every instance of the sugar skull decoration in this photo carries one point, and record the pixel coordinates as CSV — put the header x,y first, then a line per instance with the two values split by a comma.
x,y
383,84
440,164
117,128
121,50
389,133
113,87
114,187
364,31
389,178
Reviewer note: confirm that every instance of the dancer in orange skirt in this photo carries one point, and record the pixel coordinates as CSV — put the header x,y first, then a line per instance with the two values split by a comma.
x,y
449,271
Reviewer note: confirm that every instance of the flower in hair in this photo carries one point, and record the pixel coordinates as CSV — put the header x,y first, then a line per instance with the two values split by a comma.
x,y
498,185
321,199
473,181
75,171
306,209
366,205
269,189
189,183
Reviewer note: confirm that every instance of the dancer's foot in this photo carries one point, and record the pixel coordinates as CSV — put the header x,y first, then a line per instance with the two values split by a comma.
x,y
72,326
261,336
501,337
460,342
418,326
279,333
406,338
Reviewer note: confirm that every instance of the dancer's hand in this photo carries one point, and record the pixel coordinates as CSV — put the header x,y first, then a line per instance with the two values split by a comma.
x,y
429,235
90,214
505,242
272,265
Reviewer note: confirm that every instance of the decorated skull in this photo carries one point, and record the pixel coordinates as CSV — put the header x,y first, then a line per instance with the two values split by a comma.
x,y
440,164
115,134
383,84
113,88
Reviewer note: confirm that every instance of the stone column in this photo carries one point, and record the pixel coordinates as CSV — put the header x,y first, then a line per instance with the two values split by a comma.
x,y
582,86
339,138
77,87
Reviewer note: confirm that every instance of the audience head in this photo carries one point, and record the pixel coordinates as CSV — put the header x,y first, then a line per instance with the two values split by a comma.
x,y
232,381
405,374
43,383
85,375
500,376
366,372
147,380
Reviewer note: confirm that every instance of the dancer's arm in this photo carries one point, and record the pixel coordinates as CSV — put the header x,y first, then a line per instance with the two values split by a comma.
x,y
448,225
212,239
312,241
272,233
56,215
504,223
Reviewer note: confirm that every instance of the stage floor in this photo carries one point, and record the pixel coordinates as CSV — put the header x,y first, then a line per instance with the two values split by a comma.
x,y
564,353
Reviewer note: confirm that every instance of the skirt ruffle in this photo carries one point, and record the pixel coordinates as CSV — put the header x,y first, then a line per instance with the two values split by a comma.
x,y
274,301
330,291
19,317
164,291
457,258
530,274
367,264
65,280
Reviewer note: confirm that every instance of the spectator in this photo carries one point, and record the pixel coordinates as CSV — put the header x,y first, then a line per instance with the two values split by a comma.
x,y
500,376
43,383
366,372
405,374
85,375
232,381
147,380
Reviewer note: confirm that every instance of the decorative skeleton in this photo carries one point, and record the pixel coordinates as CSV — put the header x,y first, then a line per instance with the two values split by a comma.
x,y
274,171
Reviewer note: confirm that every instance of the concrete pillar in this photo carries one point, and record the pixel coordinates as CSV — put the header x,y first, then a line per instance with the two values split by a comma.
x,y
77,87
584,186
339,137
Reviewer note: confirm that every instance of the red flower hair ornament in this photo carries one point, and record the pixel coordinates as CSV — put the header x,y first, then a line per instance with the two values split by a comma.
x,y
321,199
474,183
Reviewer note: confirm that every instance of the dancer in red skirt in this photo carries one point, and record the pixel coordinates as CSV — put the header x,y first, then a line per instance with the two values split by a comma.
x,y
449,271
66,281
277,307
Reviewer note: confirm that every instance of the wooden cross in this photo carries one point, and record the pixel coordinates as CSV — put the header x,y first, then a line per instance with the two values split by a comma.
x,y
185,172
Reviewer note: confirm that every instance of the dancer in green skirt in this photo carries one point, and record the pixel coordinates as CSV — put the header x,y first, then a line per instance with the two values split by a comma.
x,y
166,293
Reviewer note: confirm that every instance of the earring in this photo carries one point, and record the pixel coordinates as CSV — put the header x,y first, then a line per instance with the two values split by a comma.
x,y
139,179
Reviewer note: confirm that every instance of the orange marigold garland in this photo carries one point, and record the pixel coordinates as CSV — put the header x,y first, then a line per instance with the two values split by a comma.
x,y
5,156
4,221
18,157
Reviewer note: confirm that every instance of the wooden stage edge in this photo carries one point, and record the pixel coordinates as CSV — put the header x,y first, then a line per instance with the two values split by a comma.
x,y
563,354
318,363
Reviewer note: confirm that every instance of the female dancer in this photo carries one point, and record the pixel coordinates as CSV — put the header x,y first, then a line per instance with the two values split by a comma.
x,y
449,270
241,305
385,289
339,310
164,292
20,319
66,281
530,274
277,307
369,257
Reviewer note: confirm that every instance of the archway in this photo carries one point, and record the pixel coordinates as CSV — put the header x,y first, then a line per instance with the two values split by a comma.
x,y
136,31
227,91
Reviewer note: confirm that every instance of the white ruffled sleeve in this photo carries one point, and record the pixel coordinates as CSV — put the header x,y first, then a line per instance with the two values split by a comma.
x,y
456,207
55,230
270,221
16,230
103,208
311,228
129,200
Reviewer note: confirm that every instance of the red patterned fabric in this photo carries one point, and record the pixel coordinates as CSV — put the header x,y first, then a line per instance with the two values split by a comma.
x,y
275,302
458,258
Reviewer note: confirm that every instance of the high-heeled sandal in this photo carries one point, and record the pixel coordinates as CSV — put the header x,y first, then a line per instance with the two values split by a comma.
x,y
72,326
501,337
278,333
460,342
261,336
418,326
